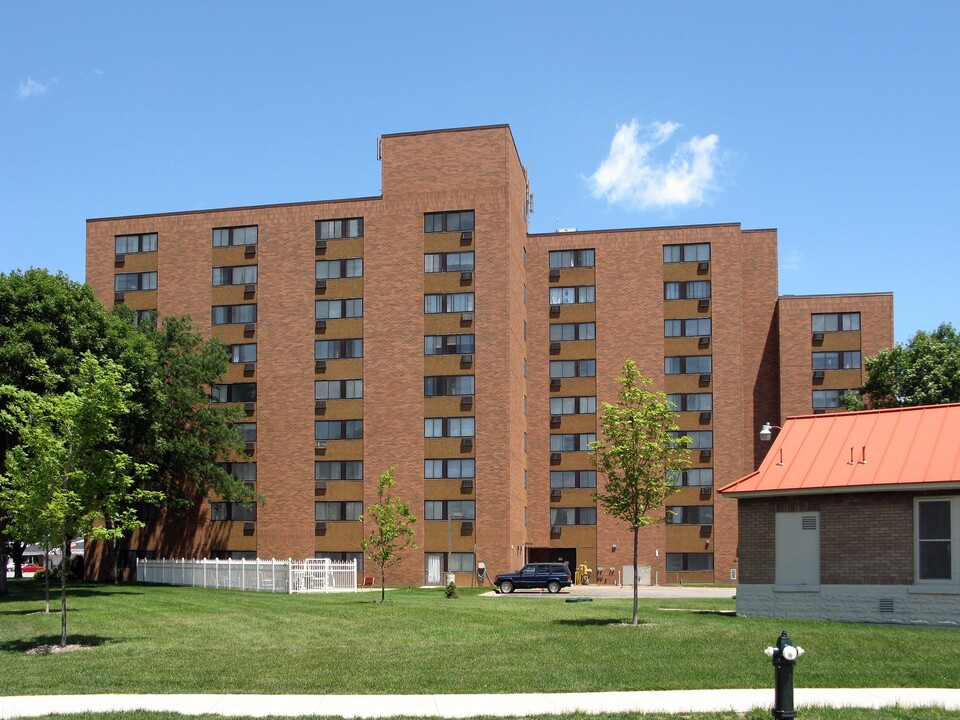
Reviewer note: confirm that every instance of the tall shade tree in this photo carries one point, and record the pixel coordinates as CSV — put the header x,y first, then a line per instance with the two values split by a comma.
x,y
392,533
639,449
924,371
67,476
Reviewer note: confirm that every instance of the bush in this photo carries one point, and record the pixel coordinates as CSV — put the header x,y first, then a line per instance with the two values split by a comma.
x,y
451,591
74,570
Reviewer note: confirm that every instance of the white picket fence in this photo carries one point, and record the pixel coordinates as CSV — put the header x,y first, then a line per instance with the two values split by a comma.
x,y
286,576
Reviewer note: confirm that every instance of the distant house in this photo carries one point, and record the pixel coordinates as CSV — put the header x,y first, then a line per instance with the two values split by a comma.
x,y
854,517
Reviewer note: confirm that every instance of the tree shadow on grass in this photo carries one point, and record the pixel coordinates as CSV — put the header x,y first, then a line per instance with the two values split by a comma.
x,y
598,622
23,645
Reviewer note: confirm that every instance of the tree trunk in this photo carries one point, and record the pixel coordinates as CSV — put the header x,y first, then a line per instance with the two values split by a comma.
x,y
383,586
636,576
46,579
64,550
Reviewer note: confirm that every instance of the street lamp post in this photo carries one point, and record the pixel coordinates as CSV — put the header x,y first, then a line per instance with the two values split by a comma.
x,y
450,518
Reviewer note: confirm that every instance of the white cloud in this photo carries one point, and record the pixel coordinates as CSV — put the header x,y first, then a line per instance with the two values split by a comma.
x,y
792,261
31,87
629,174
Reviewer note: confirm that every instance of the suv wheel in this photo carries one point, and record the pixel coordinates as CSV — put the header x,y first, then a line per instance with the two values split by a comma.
x,y
553,586
506,587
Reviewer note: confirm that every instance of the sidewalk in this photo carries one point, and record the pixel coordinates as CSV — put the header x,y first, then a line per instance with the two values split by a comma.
x,y
466,706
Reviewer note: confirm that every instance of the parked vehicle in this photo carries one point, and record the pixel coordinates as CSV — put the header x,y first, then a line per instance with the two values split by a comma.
x,y
551,576
30,567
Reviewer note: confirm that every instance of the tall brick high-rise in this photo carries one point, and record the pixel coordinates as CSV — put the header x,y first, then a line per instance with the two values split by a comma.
x,y
428,330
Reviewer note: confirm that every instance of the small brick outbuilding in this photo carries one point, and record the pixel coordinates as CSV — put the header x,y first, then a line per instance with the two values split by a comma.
x,y
854,517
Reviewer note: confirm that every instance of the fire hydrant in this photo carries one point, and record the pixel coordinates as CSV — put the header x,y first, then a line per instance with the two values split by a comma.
x,y
784,657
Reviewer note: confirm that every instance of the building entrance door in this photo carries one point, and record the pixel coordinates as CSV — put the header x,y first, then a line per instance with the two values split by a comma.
x,y
434,568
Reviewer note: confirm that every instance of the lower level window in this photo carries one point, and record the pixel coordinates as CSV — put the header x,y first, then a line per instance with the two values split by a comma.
x,y
233,555
937,520
449,510
690,515
232,512
461,562
573,516
336,511
694,562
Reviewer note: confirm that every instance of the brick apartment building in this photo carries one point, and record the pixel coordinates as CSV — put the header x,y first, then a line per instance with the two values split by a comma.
x,y
427,329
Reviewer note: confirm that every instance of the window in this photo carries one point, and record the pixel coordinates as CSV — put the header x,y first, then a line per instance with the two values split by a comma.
x,y
573,368
449,427
699,252
226,555
338,349
126,244
828,398
232,512
248,431
338,389
334,269
441,385
235,275
336,229
573,331
572,442
448,303
243,353
335,309
223,237
233,392
936,553
692,477
573,516
447,262
345,556
244,471
449,468
338,470
692,562
840,360
461,562
145,317
691,402
692,290
448,344
574,294
573,478
689,515
449,510
699,439
338,429
835,322
688,365
690,327
448,221
584,405
233,314
572,258
129,282
337,511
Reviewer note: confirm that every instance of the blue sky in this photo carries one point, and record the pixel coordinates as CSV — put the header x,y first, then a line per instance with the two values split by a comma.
x,y
836,123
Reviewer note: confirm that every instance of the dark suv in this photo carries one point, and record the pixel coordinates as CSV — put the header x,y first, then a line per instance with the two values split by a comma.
x,y
551,576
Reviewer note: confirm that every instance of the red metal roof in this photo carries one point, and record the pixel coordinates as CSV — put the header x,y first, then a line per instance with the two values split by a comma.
x,y
873,450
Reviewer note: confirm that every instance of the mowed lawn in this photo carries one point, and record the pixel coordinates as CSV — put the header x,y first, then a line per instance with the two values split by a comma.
x,y
153,639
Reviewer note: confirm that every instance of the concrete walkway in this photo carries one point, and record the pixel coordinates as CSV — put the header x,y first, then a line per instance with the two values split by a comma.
x,y
466,706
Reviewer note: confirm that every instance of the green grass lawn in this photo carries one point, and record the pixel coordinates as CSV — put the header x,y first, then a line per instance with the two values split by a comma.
x,y
805,714
152,639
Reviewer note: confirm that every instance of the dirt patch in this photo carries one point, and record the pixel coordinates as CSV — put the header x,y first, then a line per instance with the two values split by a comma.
x,y
55,649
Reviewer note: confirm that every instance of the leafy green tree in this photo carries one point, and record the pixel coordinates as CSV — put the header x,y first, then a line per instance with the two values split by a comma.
x,y
638,450
67,475
925,371
392,533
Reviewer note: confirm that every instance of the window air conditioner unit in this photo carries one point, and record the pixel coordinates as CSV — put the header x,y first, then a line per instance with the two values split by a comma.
x,y
321,246
703,304
321,527
554,273
703,267
466,359
554,309
118,297
819,411
249,288
321,326
705,530
250,447
818,337
321,285
320,445
704,342
705,493
466,236
249,407
556,529
249,368
705,379
556,493
555,347
555,420
705,416
466,401
705,455
466,317
554,383
320,366
818,374
466,443
466,276
249,526
466,485
249,328
555,457
320,405
320,487
250,250
119,259
466,527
